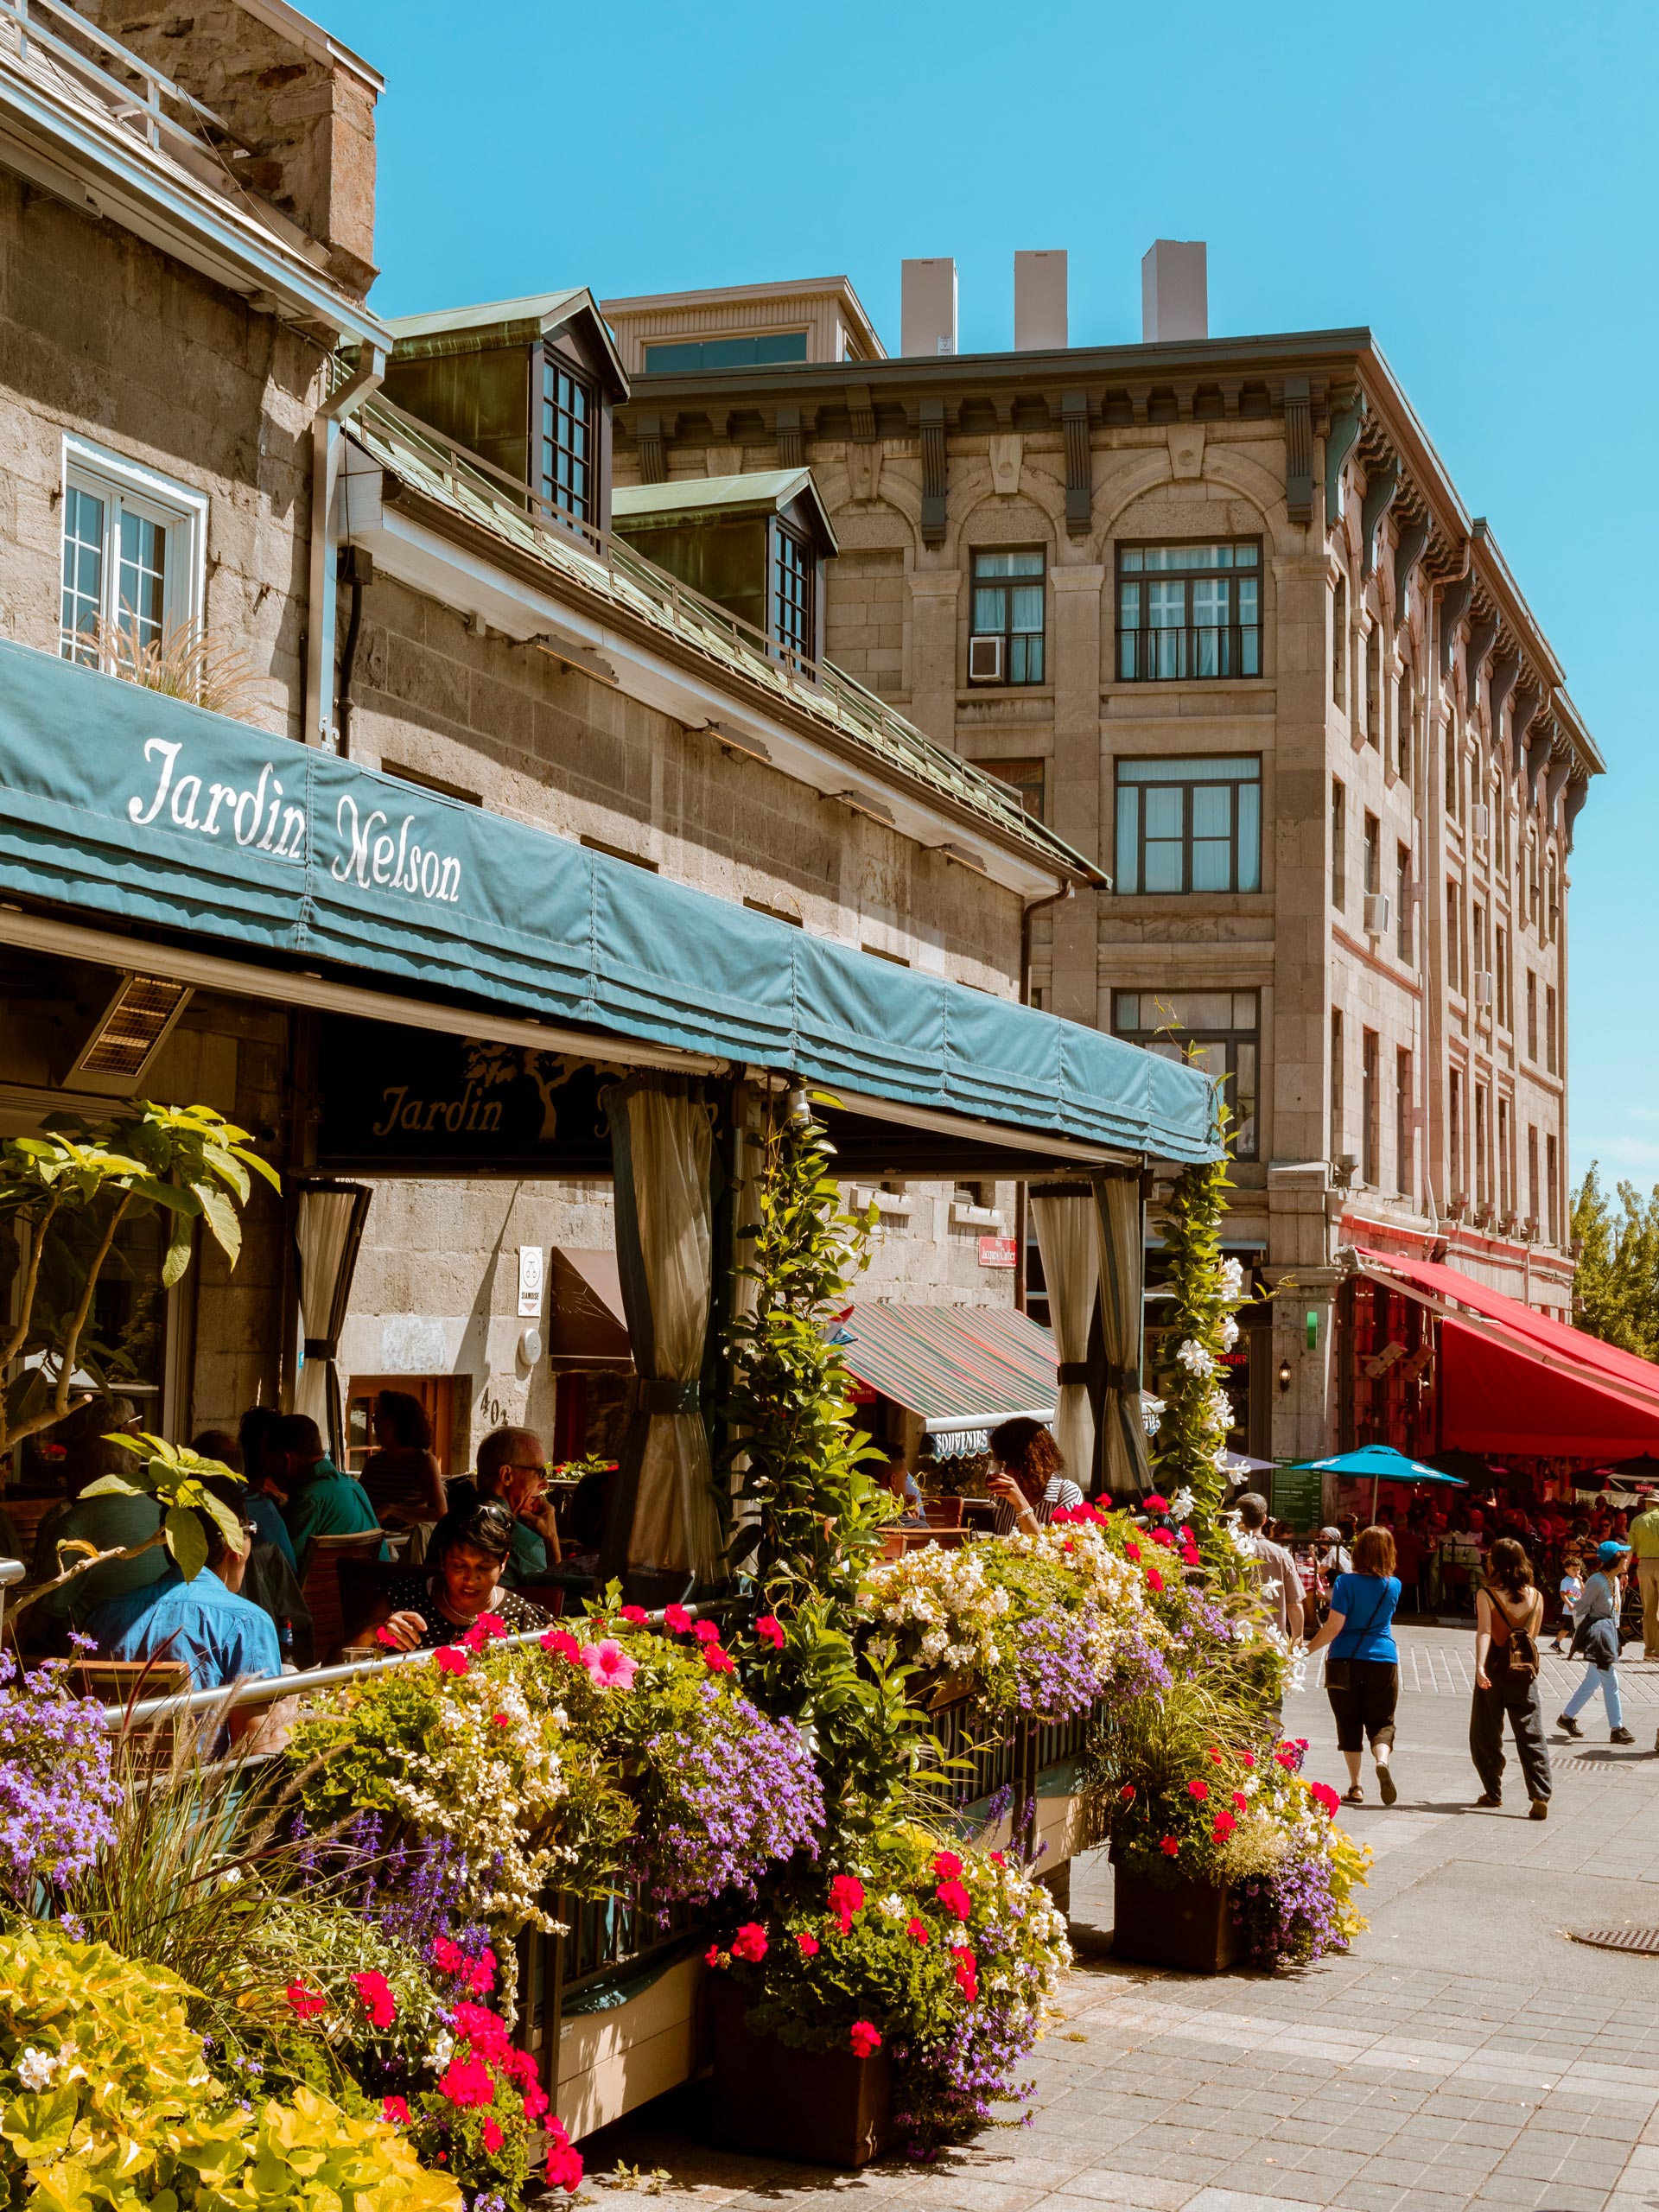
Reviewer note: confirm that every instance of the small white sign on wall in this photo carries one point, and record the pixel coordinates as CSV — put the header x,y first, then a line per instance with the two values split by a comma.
x,y
531,1278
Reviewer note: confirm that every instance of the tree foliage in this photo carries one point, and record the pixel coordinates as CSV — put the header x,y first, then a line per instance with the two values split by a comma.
x,y
1206,1290
1618,1268
64,1196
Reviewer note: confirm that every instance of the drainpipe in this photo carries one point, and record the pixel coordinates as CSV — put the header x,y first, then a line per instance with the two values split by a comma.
x,y
1031,907
357,567
336,410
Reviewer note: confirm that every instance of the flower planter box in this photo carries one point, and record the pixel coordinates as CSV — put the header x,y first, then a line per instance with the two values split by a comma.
x,y
1189,1925
827,2107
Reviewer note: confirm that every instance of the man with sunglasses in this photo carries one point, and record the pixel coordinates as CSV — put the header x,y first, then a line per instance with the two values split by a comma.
x,y
512,1466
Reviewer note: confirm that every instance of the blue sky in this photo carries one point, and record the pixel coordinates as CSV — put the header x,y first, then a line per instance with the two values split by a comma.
x,y
1474,181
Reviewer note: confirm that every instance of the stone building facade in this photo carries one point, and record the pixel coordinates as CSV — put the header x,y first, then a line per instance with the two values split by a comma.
x,y
1216,608
187,397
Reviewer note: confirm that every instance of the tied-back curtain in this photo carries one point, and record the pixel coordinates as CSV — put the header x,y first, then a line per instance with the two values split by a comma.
x,y
328,1220
1123,1277
663,1148
1069,1238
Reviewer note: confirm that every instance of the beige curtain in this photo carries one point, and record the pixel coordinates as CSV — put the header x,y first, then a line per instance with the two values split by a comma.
x,y
662,1148
1069,1237
1123,1254
328,1220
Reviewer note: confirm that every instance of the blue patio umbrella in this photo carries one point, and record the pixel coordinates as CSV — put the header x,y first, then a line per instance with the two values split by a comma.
x,y
1384,1465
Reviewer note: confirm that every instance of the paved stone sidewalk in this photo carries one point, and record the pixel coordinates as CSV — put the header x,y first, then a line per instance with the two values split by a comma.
x,y
1466,2055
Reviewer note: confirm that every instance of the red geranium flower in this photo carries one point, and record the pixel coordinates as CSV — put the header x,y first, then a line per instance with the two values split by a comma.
x,y
561,1641
305,2004
864,2037
480,1975
946,1864
714,1956
1156,1505
1154,1581
1214,1754
807,1946
846,1897
636,1616
395,2111
917,1932
998,1859
676,1618
1131,1551
1197,1789
446,1956
1247,1758
374,1994
564,2165
1126,1795
771,1629
467,2081
750,1943
1224,1826
707,1632
1162,1536
955,1899
718,1661
453,1660
1325,1798
500,1720
1241,1801
967,1973
535,2101
383,1635
1171,1845
494,2137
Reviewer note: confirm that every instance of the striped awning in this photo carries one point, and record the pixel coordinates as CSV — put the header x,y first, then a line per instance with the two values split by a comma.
x,y
959,1367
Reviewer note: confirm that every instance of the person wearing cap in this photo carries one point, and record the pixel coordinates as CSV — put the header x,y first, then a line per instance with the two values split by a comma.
x,y
1595,1640
461,1580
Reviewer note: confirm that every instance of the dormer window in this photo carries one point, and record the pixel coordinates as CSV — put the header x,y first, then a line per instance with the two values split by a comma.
x,y
794,576
567,439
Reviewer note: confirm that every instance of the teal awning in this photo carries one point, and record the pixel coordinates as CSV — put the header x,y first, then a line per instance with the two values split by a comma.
x,y
126,803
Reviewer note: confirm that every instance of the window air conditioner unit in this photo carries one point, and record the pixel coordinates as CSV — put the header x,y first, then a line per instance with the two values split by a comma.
x,y
1483,987
1379,913
1483,815
985,659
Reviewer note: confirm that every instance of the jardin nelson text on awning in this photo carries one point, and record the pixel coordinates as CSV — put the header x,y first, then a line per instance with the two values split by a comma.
x,y
134,805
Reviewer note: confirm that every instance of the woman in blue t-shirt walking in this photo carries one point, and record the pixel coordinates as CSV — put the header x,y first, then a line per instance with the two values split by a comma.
x,y
1362,1674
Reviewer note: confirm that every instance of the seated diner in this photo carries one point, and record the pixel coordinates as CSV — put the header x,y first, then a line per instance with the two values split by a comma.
x,y
437,1603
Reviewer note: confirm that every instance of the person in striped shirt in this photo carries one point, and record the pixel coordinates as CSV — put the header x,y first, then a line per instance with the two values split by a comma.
x,y
1028,1478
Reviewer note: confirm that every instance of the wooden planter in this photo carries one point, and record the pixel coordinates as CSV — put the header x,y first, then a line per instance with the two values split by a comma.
x,y
1189,1925
827,2107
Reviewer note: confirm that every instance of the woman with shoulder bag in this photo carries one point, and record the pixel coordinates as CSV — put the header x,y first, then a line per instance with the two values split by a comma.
x,y
1362,1676
1508,1619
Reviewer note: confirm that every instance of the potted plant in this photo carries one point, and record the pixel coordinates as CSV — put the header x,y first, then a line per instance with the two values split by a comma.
x,y
885,1997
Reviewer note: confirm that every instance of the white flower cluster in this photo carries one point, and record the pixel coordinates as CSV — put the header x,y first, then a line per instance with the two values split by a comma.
x,y
1215,1410
1196,1360
1181,1504
1232,1280
944,1596
1230,1333
1152,1412
494,1782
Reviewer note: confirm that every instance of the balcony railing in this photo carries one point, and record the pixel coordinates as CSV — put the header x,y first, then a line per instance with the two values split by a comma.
x,y
135,92
1193,654
522,512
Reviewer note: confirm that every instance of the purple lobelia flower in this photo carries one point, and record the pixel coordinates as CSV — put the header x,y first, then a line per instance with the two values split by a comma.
x,y
57,1791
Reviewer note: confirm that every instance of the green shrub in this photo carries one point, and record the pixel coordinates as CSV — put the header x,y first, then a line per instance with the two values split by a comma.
x,y
107,2102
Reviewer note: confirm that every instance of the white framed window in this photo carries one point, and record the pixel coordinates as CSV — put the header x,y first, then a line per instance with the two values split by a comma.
x,y
135,548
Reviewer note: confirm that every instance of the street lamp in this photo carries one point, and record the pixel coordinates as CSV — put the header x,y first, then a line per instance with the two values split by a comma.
x,y
1284,1375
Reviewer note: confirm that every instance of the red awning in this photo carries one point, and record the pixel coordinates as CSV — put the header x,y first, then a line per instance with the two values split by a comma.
x,y
1511,1380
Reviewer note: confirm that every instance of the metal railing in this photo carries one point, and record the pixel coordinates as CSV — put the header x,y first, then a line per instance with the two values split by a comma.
x,y
137,97
817,686
1190,655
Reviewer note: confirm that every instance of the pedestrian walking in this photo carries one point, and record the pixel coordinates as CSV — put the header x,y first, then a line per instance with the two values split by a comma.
x,y
1508,1617
1595,1640
1571,1589
1275,1570
1362,1672
1644,1550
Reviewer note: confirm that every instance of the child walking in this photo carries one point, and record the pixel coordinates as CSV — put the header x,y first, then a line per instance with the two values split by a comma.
x,y
1571,1590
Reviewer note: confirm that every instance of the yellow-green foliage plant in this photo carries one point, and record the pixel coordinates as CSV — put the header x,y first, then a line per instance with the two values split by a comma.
x,y
108,2103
